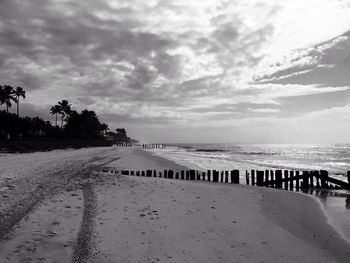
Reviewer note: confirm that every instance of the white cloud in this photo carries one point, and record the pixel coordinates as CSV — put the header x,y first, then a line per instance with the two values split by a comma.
x,y
299,26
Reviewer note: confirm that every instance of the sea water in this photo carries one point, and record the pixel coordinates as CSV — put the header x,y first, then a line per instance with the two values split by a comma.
x,y
334,158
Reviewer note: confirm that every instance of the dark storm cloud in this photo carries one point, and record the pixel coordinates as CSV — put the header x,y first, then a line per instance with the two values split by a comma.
x,y
42,35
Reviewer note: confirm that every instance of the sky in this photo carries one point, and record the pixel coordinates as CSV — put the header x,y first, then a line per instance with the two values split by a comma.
x,y
254,71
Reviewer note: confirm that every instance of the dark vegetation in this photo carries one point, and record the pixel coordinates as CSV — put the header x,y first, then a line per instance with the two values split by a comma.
x,y
70,129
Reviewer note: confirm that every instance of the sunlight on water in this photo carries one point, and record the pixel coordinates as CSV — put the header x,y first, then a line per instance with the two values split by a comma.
x,y
333,158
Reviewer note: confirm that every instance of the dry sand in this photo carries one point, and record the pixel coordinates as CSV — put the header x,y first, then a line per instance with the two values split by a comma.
x,y
62,208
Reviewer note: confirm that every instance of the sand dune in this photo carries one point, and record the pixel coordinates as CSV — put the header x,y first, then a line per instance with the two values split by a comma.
x,y
81,214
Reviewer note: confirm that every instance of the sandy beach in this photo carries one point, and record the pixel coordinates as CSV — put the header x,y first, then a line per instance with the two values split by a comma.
x,y
60,207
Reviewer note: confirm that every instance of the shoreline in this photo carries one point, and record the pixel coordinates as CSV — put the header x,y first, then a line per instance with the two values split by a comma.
x,y
153,219
332,212
322,206
330,219
333,235
305,216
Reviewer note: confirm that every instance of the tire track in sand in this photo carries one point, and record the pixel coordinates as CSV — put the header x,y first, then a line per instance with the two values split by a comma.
x,y
21,204
84,244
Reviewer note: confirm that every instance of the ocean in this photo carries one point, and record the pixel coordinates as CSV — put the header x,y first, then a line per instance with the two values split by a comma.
x,y
335,158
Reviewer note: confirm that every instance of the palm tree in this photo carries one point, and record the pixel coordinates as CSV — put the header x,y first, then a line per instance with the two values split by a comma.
x,y
65,109
19,92
2,95
6,96
55,110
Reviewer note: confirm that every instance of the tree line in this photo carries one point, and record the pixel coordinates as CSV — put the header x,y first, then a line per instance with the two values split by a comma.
x,y
8,94
73,124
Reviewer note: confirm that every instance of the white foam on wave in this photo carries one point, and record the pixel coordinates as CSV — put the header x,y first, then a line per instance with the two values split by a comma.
x,y
334,158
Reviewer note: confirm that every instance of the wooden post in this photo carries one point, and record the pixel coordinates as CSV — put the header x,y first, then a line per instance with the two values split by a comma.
x,y
278,178
209,175
297,185
272,178
267,175
311,179
198,176
203,176
149,173
182,175
192,175
259,178
253,177
170,174
246,177
291,184
215,176
305,183
324,179
165,173
235,177
285,178
226,177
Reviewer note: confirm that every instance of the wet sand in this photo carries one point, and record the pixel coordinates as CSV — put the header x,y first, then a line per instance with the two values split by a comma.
x,y
85,215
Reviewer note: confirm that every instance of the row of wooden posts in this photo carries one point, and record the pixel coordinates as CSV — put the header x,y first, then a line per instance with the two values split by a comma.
x,y
295,180
124,144
154,146
213,176
283,179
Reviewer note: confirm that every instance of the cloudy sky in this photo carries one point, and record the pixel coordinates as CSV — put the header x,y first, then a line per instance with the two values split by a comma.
x,y
255,71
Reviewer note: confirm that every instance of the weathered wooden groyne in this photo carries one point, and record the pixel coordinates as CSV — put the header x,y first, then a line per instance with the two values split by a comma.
x,y
296,180
282,179
154,146
123,144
